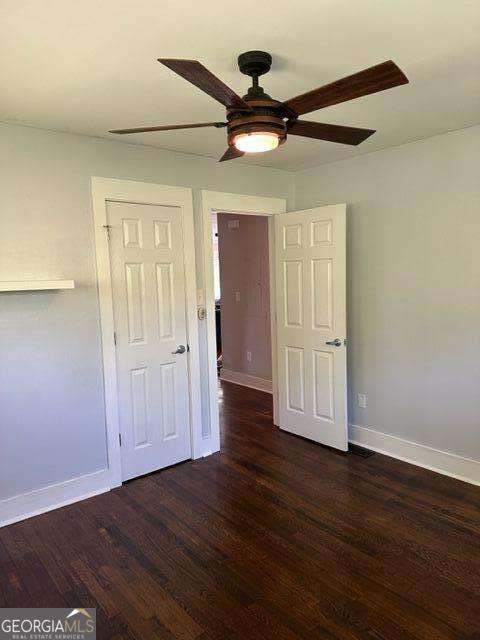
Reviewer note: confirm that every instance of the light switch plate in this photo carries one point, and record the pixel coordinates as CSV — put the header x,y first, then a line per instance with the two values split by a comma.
x,y
362,400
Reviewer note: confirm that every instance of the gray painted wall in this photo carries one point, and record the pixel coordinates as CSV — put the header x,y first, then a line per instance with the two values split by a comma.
x,y
413,286
414,282
52,424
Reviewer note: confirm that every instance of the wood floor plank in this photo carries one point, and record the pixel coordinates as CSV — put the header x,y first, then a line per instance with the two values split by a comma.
x,y
274,538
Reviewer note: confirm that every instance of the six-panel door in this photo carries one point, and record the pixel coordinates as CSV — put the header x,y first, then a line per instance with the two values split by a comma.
x,y
147,266
310,265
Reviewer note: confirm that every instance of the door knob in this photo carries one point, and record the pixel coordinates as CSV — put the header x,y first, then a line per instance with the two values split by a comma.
x,y
180,349
334,343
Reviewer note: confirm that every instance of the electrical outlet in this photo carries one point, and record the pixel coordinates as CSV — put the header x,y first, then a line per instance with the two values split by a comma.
x,y
362,400
249,356
237,296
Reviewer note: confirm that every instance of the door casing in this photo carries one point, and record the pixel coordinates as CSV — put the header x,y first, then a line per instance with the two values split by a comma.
x,y
215,202
103,191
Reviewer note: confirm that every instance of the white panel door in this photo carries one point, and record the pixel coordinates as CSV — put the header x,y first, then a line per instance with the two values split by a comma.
x,y
310,274
147,266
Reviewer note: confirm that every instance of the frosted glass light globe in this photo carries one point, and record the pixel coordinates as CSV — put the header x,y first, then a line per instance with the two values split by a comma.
x,y
256,142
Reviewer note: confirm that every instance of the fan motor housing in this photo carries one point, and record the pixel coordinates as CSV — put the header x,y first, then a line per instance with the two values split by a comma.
x,y
257,124
265,117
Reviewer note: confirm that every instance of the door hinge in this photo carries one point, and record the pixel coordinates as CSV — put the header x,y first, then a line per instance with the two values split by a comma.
x,y
107,228
120,439
115,338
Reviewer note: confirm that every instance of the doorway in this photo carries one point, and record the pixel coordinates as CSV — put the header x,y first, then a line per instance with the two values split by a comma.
x,y
242,299
240,205
307,264
145,256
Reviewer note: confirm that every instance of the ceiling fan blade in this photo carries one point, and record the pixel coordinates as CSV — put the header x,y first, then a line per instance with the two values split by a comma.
x,y
170,127
330,132
378,78
231,153
201,77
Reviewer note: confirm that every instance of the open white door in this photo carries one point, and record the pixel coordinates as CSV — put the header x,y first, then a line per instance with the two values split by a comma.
x,y
310,274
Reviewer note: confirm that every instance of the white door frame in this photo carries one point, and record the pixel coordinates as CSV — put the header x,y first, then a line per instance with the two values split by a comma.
x,y
217,201
105,190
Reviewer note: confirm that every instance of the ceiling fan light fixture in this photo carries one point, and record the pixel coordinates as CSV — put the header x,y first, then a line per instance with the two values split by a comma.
x,y
256,142
257,123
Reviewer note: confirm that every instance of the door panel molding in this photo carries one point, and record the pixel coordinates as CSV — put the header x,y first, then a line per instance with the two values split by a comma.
x,y
293,288
106,190
294,369
166,311
139,386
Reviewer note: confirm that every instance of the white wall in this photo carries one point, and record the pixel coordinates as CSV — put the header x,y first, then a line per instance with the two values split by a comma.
x,y
52,425
414,286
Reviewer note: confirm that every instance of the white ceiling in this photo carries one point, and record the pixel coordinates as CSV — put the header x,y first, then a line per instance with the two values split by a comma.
x,y
88,66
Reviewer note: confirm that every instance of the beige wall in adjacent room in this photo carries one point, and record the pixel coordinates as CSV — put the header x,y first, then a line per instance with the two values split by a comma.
x,y
413,227
244,272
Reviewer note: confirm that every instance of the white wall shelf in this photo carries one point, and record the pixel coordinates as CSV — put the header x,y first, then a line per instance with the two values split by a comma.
x,y
36,285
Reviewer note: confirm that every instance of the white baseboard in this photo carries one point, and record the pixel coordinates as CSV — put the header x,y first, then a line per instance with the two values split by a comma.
x,y
246,380
48,498
448,464
42,500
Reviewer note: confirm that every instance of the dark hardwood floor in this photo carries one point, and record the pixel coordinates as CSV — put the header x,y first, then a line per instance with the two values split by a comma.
x,y
275,537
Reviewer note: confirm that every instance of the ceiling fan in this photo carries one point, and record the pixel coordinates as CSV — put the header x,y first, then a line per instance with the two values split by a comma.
x,y
257,122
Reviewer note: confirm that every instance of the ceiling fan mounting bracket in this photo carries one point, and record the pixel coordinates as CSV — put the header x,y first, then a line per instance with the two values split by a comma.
x,y
254,63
